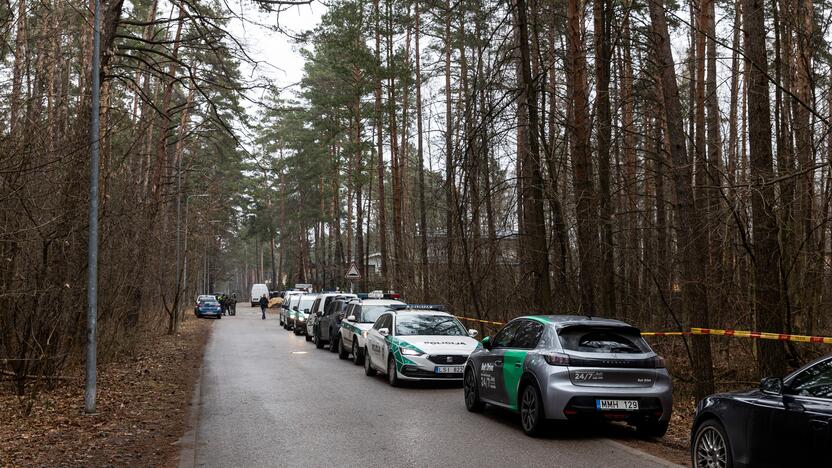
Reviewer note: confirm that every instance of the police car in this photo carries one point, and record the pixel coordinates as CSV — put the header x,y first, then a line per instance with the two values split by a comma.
x,y
360,318
417,344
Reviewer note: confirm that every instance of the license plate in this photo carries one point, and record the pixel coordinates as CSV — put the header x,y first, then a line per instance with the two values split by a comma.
x,y
448,369
620,405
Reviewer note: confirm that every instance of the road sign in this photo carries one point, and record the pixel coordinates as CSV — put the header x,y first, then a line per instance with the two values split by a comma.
x,y
352,273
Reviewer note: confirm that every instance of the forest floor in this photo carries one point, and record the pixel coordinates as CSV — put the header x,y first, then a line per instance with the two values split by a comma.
x,y
143,400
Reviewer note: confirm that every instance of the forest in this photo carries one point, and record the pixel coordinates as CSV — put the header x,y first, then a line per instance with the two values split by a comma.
x,y
664,163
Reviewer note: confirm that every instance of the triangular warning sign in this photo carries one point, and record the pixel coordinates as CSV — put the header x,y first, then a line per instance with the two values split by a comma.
x,y
353,273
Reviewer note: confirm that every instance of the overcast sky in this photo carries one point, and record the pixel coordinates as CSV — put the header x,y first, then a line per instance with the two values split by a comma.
x,y
275,51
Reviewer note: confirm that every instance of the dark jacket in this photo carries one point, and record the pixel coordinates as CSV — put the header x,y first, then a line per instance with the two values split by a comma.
x,y
264,302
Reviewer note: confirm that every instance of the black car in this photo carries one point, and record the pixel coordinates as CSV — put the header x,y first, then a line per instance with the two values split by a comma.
x,y
786,422
328,326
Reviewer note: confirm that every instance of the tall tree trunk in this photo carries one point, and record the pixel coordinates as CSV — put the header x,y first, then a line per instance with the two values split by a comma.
x,y
449,152
423,226
602,102
581,156
382,219
693,254
767,291
534,221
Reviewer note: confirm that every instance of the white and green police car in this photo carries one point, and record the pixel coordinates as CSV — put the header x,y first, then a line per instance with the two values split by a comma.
x,y
360,317
418,344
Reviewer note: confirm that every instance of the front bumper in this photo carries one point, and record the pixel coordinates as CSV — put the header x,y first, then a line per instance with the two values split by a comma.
x,y
564,400
299,327
425,367
203,313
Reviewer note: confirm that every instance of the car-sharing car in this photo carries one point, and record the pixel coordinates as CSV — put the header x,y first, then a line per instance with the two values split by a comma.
x,y
208,305
785,422
360,317
318,310
571,368
301,313
416,344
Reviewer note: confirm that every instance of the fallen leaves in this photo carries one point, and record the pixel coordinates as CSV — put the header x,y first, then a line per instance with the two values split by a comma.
x,y
142,402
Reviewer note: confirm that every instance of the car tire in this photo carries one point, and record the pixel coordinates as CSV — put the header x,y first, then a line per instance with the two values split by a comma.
x,y
472,392
219,316
318,342
357,356
308,338
342,350
368,365
532,416
711,446
392,375
334,341
652,430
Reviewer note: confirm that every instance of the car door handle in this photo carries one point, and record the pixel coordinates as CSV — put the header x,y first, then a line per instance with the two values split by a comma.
x,y
818,424
498,363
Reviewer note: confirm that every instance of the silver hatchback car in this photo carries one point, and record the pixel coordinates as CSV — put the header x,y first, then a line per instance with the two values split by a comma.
x,y
559,367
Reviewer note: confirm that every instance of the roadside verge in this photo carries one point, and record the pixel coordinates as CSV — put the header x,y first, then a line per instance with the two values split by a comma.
x,y
143,400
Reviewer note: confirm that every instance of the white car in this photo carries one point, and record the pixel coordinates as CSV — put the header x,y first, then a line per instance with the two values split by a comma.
x,y
416,344
361,315
290,299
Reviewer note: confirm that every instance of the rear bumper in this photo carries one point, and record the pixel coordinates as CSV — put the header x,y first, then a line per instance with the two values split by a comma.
x,y
299,327
565,400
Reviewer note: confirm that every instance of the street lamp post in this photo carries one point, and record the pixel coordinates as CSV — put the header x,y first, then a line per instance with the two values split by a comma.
x,y
92,259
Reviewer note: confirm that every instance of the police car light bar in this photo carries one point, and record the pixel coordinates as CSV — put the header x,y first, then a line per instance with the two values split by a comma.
x,y
439,307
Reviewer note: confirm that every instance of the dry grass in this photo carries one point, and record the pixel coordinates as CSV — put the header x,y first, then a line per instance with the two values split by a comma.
x,y
142,402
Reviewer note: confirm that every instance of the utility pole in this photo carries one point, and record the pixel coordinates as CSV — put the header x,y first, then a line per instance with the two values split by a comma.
x,y
92,260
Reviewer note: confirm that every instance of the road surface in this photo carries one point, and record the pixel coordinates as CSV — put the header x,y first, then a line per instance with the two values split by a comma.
x,y
269,398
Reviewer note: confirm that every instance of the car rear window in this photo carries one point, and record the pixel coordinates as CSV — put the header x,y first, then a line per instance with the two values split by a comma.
x,y
603,340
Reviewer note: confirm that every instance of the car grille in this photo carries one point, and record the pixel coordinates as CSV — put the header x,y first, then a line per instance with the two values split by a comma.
x,y
411,371
448,359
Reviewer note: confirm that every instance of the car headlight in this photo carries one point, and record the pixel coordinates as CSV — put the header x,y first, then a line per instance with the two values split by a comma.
x,y
301,318
410,352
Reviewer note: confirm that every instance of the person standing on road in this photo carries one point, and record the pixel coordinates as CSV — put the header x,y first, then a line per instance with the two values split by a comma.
x,y
264,302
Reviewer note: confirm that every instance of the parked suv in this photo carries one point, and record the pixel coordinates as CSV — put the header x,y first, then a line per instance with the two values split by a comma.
x,y
318,308
328,326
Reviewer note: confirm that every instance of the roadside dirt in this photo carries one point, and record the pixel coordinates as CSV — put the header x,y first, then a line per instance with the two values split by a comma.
x,y
142,401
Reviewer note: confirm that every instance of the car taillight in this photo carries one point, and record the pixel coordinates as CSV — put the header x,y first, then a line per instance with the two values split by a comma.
x,y
556,359
658,362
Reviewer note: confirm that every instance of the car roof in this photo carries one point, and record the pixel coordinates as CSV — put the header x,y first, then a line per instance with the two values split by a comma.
x,y
569,320
378,301
420,312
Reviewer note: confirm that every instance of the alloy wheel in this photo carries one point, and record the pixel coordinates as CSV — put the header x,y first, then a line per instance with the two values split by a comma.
x,y
710,449
470,389
528,409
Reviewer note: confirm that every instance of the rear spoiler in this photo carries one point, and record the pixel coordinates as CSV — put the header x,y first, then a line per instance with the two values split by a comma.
x,y
439,307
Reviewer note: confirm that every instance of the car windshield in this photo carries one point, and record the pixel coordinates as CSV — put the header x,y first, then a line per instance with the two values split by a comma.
x,y
306,303
428,324
206,298
369,313
209,302
603,340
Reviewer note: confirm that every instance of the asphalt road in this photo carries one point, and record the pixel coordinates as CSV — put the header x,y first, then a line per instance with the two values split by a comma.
x,y
269,398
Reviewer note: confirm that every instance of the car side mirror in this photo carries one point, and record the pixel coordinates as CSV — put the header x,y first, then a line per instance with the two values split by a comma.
x,y
296,307
305,311
383,331
351,318
486,342
473,333
772,386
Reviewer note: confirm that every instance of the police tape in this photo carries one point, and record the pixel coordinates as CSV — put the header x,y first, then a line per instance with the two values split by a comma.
x,y
479,320
675,333
711,331
762,335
